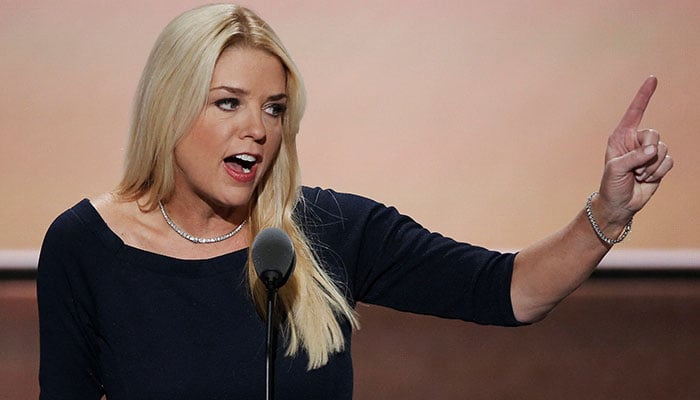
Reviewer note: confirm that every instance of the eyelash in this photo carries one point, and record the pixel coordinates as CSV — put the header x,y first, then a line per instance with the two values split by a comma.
x,y
276,109
230,104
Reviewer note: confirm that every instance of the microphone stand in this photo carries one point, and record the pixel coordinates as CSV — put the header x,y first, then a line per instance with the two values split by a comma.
x,y
271,348
274,260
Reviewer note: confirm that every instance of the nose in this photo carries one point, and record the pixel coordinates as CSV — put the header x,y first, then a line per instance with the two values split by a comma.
x,y
254,126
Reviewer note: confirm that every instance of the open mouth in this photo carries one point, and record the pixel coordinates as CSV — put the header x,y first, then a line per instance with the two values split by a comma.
x,y
241,162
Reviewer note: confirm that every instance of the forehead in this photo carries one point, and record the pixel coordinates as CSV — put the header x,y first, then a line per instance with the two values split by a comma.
x,y
251,69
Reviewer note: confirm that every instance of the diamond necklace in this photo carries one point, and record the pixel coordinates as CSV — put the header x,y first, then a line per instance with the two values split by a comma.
x,y
195,239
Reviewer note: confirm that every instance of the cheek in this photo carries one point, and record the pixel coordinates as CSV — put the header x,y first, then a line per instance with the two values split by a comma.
x,y
184,161
273,146
201,144
181,152
193,152
274,141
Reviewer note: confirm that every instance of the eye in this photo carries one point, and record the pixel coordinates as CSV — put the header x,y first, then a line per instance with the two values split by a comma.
x,y
275,109
228,104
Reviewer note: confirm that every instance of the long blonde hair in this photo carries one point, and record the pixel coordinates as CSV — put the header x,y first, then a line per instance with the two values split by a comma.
x,y
171,94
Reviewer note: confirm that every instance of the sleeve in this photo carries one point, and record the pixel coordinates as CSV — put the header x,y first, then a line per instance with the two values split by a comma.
x,y
391,260
68,362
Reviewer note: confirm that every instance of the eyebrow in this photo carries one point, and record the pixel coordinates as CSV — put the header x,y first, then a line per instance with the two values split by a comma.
x,y
243,92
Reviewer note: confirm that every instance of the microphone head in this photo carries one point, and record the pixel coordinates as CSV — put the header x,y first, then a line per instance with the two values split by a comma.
x,y
273,257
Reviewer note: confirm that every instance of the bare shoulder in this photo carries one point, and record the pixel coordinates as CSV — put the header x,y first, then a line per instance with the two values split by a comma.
x,y
126,219
103,202
113,209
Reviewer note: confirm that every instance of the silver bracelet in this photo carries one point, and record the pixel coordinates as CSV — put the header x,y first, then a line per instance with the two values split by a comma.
x,y
596,228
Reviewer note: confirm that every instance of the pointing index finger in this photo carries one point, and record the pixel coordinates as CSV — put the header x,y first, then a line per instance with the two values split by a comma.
x,y
634,113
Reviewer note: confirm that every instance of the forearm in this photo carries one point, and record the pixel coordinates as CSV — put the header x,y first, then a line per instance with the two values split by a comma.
x,y
635,162
548,271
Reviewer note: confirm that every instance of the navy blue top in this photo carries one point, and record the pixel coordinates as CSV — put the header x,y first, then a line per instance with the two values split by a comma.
x,y
132,324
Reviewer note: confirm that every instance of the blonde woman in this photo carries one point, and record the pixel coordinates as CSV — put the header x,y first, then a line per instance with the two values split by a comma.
x,y
147,292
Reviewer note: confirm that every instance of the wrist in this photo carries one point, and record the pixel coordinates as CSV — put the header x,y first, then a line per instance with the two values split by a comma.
x,y
609,229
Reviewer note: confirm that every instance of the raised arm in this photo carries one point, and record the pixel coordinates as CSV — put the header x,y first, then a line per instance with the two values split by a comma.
x,y
635,162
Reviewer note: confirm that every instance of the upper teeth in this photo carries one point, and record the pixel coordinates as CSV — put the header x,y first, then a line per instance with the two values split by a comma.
x,y
245,157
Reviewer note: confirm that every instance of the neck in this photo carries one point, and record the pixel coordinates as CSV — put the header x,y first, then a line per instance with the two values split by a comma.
x,y
202,223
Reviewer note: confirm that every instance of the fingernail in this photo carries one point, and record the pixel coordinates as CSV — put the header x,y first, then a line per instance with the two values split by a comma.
x,y
649,150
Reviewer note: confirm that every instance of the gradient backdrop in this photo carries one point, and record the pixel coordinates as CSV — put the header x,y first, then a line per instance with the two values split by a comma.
x,y
486,121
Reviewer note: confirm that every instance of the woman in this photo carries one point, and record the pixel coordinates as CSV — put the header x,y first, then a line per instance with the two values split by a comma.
x,y
148,293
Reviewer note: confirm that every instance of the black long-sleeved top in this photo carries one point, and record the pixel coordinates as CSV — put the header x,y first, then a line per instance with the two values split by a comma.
x,y
133,324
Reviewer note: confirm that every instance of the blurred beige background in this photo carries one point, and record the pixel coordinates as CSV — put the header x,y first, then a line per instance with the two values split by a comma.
x,y
486,121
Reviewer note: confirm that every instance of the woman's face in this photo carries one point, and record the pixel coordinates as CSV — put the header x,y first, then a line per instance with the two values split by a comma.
x,y
237,136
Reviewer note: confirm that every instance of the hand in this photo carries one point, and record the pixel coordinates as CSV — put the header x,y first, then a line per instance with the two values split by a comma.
x,y
635,162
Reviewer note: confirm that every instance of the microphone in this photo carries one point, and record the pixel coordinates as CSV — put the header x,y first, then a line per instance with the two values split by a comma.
x,y
273,257
274,260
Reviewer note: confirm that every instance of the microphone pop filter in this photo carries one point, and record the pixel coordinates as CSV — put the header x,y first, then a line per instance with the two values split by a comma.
x,y
273,257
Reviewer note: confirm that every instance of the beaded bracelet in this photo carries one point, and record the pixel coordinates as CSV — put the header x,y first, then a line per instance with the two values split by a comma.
x,y
596,228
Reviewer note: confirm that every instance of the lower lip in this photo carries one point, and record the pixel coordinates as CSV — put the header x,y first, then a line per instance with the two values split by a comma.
x,y
241,176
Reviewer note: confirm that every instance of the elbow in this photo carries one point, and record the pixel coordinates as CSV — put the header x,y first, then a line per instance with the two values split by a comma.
x,y
527,309
531,300
529,316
